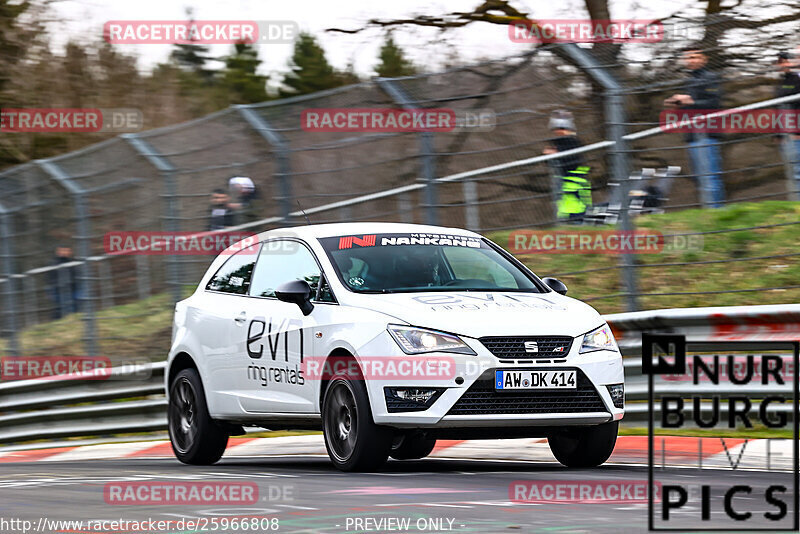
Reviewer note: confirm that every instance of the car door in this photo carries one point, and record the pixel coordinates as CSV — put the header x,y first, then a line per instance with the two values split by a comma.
x,y
278,337
217,322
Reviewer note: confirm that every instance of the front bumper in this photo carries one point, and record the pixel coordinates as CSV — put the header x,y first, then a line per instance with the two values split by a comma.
x,y
472,405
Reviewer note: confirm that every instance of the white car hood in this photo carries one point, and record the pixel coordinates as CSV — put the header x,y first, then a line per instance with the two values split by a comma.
x,y
485,313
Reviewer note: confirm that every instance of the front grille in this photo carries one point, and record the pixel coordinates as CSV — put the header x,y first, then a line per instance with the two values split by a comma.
x,y
514,347
482,399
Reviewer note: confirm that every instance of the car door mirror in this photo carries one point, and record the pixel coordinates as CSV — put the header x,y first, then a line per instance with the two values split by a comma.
x,y
556,285
297,292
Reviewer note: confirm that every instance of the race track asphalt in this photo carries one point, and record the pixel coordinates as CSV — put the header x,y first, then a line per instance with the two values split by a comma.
x,y
307,495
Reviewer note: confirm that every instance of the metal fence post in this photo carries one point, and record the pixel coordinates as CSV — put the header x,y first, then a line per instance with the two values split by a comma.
x,y
427,151
555,191
84,235
9,284
472,213
28,295
172,215
106,290
281,149
614,104
405,208
142,276
614,109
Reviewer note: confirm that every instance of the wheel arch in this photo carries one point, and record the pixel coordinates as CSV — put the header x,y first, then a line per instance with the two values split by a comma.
x,y
339,352
181,361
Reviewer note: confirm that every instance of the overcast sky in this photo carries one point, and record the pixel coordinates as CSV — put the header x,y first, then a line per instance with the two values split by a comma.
x,y
83,20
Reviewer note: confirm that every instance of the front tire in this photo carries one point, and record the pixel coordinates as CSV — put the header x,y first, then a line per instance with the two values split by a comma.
x,y
354,442
584,446
196,439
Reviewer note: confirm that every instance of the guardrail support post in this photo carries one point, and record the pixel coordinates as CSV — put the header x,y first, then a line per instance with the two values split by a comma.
x,y
427,151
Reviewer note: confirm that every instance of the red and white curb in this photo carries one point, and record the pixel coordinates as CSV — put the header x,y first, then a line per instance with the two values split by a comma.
x,y
725,453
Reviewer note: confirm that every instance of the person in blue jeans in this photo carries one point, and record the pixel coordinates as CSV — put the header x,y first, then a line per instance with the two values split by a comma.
x,y
788,85
64,284
702,91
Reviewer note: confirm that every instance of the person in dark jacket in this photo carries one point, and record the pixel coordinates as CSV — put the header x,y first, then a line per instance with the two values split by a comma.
x,y
245,198
64,286
789,84
222,215
702,91
572,172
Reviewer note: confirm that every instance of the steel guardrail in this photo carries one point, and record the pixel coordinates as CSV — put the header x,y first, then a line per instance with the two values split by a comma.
x,y
132,399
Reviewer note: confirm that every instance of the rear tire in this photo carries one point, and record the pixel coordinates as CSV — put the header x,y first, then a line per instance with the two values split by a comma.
x,y
196,439
354,442
413,447
584,446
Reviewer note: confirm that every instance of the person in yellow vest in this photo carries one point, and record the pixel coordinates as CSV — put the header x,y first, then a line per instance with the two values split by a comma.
x,y
576,194
576,190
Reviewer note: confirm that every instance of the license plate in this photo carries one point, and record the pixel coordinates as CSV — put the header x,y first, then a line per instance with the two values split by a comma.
x,y
533,379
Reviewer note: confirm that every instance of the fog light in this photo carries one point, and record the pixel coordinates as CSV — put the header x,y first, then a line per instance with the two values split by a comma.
x,y
410,399
617,392
416,395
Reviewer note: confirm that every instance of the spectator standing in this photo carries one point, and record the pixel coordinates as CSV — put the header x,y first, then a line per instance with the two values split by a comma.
x,y
64,287
245,196
222,215
789,84
571,171
702,92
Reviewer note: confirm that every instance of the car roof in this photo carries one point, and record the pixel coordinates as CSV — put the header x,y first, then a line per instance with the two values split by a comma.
x,y
361,228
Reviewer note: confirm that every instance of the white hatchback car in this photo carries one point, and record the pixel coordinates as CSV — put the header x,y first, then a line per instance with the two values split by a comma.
x,y
388,337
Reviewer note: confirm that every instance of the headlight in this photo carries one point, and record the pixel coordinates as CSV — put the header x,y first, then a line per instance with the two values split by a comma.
x,y
419,341
600,339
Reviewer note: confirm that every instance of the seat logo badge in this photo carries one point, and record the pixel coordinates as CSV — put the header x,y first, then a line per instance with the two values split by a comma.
x,y
531,346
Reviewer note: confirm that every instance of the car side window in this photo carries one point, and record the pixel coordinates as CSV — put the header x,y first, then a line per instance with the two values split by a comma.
x,y
282,261
235,274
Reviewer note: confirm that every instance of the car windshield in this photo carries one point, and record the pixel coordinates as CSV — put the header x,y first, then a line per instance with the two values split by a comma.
x,y
393,263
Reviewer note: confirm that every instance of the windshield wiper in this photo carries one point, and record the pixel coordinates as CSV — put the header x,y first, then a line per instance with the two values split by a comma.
x,y
453,289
